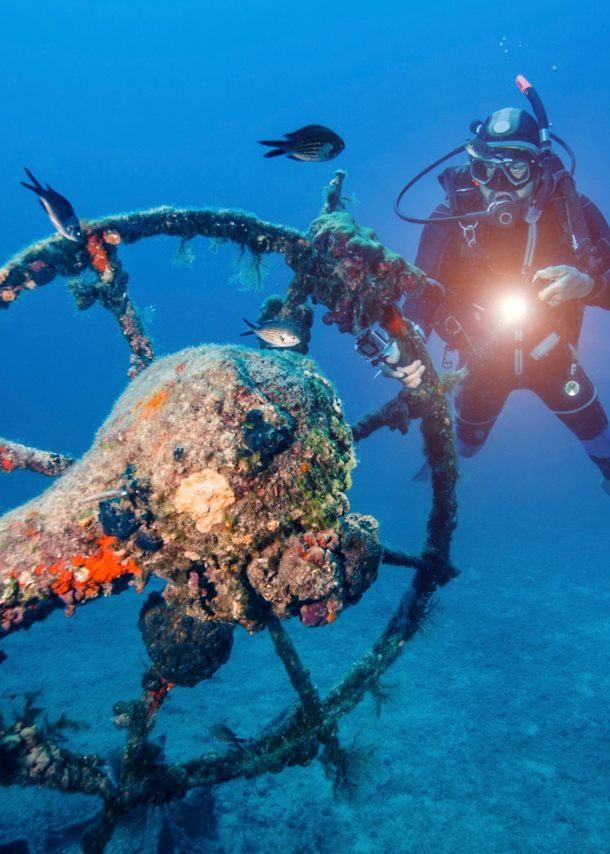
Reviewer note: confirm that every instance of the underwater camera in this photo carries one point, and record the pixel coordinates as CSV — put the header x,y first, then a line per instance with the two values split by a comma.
x,y
373,345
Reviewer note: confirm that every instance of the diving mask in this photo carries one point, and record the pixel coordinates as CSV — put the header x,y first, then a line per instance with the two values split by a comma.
x,y
518,172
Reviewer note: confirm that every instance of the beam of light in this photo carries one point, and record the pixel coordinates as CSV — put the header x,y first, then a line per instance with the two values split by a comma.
x,y
514,308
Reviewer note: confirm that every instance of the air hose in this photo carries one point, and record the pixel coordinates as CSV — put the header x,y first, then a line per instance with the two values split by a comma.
x,y
579,229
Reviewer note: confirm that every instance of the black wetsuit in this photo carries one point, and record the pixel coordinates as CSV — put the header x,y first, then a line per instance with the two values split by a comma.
x,y
535,351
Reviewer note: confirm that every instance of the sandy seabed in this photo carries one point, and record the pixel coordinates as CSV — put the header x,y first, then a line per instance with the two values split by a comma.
x,y
495,737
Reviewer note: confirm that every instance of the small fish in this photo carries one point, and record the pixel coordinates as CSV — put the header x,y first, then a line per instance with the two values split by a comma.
x,y
223,735
275,332
112,767
103,496
479,150
313,143
59,209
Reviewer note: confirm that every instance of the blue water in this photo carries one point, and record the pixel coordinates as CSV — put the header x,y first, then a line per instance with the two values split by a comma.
x,y
496,737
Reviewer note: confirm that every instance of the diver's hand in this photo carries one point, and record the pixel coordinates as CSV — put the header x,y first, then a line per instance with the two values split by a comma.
x,y
410,376
568,284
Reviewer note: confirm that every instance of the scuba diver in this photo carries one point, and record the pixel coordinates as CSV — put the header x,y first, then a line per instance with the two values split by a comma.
x,y
512,256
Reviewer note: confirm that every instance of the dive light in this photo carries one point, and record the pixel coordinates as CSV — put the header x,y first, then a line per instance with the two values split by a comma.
x,y
513,308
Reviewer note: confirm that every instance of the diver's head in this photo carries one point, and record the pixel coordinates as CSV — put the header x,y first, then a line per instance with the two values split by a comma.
x,y
504,162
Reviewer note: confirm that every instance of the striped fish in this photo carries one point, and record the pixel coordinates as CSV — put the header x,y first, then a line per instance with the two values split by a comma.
x,y
223,735
277,333
60,211
313,144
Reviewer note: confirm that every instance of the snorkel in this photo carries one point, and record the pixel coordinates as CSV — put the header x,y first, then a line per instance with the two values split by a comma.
x,y
547,182
554,174
505,211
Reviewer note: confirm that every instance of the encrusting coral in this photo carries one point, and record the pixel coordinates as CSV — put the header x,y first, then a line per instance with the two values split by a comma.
x,y
229,468
184,650
15,456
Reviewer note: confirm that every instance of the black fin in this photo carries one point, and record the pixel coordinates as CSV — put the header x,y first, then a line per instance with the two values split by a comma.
x,y
247,322
29,187
249,332
273,143
309,130
37,185
275,152
423,475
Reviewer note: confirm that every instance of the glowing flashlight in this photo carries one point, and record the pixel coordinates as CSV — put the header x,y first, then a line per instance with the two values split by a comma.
x,y
513,308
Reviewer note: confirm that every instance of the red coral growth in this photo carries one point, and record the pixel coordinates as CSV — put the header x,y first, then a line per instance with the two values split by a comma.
x,y
101,568
5,464
37,266
99,257
64,582
316,555
319,542
343,316
156,697
327,539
